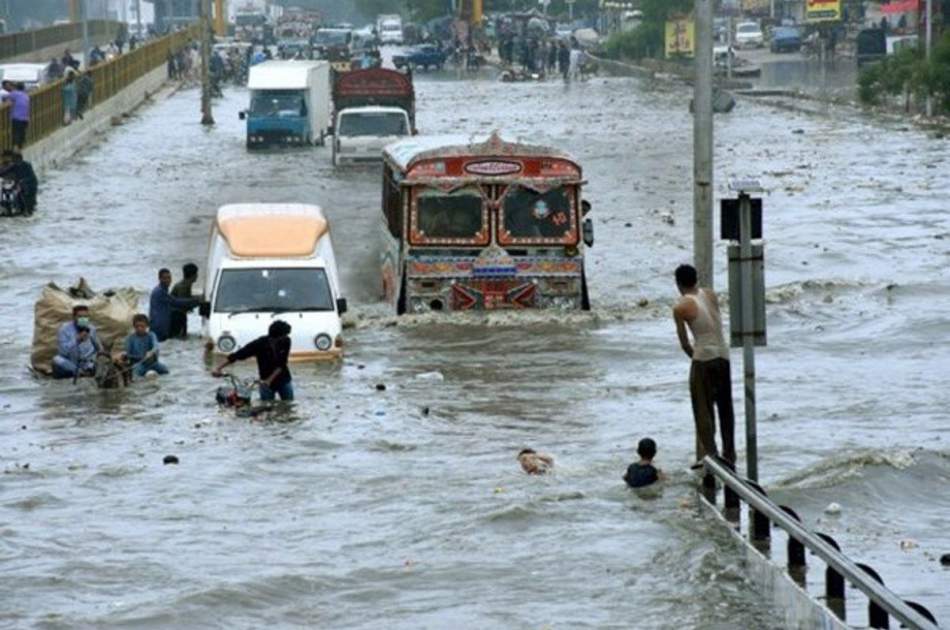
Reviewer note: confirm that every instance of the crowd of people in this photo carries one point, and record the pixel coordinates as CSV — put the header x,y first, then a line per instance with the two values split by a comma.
x,y
543,56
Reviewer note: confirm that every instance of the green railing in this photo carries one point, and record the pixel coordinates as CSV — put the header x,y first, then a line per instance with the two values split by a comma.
x,y
108,79
25,42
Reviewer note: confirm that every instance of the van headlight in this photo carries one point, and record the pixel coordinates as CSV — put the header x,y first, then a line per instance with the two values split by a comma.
x,y
227,343
323,342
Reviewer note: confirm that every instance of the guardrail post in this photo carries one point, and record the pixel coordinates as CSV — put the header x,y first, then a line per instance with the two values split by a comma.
x,y
877,616
922,610
796,552
834,582
709,487
761,527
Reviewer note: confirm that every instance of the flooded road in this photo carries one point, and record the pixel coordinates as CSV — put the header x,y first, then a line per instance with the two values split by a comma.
x,y
405,508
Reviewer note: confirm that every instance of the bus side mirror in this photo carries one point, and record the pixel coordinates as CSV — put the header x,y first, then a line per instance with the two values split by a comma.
x,y
585,207
341,306
242,114
588,230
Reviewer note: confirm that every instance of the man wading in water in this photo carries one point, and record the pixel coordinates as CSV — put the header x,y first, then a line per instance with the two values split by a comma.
x,y
710,386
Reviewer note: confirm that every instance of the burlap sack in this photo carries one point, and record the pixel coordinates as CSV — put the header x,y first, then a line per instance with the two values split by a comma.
x,y
110,312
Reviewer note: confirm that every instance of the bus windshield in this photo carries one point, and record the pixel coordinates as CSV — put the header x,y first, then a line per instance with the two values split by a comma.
x,y
269,290
529,214
283,103
457,215
374,124
331,38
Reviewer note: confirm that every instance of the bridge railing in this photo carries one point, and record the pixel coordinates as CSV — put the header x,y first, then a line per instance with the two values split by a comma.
x,y
47,113
882,603
26,42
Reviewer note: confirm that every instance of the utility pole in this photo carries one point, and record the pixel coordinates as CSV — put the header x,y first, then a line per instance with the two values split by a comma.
x,y
703,144
772,9
930,34
205,23
138,19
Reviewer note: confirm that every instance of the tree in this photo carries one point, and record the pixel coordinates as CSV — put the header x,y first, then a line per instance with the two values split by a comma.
x,y
646,40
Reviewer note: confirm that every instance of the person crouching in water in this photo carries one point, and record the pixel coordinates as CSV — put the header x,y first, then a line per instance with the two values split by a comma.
x,y
272,353
643,473
535,463
77,346
141,349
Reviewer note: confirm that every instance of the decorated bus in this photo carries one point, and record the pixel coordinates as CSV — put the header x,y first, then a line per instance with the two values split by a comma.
x,y
483,226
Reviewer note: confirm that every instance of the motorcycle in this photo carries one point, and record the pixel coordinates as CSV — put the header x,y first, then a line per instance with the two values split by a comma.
x,y
12,201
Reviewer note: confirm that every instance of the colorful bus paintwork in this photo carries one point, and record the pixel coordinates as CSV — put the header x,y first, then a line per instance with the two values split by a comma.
x,y
482,226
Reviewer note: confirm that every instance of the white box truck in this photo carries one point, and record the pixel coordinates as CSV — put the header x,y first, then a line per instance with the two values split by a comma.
x,y
290,104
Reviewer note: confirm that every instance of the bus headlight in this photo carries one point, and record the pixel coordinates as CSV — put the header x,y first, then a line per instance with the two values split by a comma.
x,y
227,343
323,342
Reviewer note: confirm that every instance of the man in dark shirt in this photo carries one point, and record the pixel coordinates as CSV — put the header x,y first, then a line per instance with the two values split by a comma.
x,y
643,473
178,328
272,353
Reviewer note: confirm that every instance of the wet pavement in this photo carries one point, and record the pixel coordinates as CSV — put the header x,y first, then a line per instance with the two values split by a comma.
x,y
405,508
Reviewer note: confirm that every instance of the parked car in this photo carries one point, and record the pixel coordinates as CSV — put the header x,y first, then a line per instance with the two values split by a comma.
x,y
786,39
749,35
422,57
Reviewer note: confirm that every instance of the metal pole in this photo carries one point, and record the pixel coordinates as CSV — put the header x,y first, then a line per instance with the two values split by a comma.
x,y
772,9
729,49
205,22
703,145
748,338
930,29
84,16
138,18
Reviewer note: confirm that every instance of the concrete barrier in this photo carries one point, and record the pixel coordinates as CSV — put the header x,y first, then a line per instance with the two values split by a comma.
x,y
799,609
67,141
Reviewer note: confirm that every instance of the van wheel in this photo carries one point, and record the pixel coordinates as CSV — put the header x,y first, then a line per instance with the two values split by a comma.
x,y
585,296
401,300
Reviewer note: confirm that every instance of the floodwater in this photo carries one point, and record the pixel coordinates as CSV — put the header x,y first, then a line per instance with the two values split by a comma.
x,y
405,508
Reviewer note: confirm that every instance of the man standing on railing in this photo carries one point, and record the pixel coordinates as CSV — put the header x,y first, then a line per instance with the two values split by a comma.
x,y
19,112
710,384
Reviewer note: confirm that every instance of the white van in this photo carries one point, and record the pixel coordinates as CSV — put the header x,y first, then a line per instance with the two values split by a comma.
x,y
31,75
362,133
290,103
267,261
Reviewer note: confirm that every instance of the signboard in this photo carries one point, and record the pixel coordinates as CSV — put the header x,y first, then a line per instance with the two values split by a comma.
x,y
492,167
822,10
680,37
729,219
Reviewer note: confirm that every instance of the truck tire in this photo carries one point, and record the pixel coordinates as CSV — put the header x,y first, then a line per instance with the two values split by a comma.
x,y
585,296
401,299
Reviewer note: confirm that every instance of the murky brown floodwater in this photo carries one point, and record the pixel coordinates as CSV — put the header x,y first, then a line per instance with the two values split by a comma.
x,y
359,510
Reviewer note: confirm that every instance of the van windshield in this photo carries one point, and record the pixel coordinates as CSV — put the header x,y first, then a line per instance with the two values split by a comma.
x,y
331,38
283,103
374,124
269,290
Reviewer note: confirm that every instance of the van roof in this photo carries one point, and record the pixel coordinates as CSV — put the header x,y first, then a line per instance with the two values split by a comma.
x,y
281,75
272,230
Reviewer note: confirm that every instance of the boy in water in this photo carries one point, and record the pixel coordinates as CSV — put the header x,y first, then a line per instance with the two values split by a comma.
x,y
141,349
643,473
535,463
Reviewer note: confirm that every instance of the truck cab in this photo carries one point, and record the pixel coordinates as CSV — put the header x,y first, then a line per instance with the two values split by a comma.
x,y
267,261
289,105
362,132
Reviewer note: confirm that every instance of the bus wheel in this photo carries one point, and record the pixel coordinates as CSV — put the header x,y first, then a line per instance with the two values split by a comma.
x,y
401,299
585,296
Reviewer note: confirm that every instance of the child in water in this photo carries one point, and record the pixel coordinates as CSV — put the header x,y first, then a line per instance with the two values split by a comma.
x,y
535,463
643,473
141,349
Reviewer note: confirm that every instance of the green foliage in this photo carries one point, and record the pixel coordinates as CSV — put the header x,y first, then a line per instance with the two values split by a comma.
x,y
909,70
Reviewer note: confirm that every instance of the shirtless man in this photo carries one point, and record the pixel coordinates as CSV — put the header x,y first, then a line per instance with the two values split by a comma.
x,y
535,463
710,384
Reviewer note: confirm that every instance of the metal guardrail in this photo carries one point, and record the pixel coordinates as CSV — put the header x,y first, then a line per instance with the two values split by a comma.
x,y
25,42
108,79
883,603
